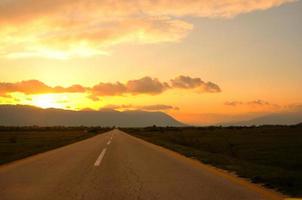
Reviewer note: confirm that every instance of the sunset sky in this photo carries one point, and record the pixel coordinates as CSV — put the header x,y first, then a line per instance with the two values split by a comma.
x,y
202,61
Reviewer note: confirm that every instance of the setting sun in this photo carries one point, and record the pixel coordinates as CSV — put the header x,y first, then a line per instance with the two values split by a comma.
x,y
46,101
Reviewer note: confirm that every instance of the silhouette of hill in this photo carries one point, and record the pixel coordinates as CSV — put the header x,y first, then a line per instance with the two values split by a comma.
x,y
285,118
21,115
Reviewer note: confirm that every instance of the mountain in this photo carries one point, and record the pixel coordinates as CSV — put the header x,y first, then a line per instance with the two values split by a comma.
x,y
285,118
21,115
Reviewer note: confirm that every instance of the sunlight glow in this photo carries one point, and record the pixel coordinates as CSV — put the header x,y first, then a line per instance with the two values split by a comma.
x,y
46,101
78,51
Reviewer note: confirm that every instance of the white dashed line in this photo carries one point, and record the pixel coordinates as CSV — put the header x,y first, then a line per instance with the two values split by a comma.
x,y
108,143
100,158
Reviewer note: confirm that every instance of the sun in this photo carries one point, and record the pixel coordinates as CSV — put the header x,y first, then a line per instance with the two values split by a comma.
x,y
46,101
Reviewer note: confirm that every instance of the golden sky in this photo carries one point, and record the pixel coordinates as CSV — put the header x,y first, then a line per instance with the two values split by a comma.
x,y
201,61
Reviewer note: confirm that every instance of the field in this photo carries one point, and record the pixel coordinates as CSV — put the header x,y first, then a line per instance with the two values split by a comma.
x,y
268,155
21,142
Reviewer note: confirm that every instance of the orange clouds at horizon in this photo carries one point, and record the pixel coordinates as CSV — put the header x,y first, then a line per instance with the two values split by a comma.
x,y
145,85
135,95
110,95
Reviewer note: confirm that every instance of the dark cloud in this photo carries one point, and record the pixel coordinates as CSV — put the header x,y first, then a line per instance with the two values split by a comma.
x,y
156,107
159,107
152,86
186,82
117,107
145,85
296,107
258,103
37,87
72,89
26,87
233,103
108,89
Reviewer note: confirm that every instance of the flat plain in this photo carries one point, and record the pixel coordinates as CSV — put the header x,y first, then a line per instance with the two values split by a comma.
x,y
20,142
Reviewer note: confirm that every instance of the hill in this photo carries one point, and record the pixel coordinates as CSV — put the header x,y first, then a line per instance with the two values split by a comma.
x,y
285,118
21,115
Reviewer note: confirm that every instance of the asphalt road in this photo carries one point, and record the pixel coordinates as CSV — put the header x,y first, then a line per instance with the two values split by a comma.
x,y
117,166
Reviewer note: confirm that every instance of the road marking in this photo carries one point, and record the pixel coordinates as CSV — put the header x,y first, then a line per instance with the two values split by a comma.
x,y
108,143
100,158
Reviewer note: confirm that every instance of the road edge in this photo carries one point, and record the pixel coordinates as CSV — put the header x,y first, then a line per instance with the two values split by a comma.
x,y
265,192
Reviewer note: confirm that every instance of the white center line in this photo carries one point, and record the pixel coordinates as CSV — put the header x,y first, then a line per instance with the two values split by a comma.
x,y
108,142
100,158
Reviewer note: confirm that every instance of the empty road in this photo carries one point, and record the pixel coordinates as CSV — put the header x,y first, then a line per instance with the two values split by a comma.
x,y
117,166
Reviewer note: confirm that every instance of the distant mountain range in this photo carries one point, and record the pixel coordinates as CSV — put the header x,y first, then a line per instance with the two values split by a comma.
x,y
21,115
284,118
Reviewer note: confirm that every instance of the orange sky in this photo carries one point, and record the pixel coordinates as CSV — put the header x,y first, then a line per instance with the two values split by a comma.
x,y
200,61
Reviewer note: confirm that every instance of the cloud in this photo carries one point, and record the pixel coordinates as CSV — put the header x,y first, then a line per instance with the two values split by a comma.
x,y
81,10
233,103
206,8
159,107
66,28
261,106
72,89
117,107
145,85
86,41
37,87
156,107
186,82
254,103
259,103
295,107
108,89
27,87
152,86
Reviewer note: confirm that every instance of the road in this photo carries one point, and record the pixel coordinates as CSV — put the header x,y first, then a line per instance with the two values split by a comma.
x,y
117,166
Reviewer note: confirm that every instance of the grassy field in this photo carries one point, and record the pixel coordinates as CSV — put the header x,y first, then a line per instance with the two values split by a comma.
x,y
21,142
270,155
